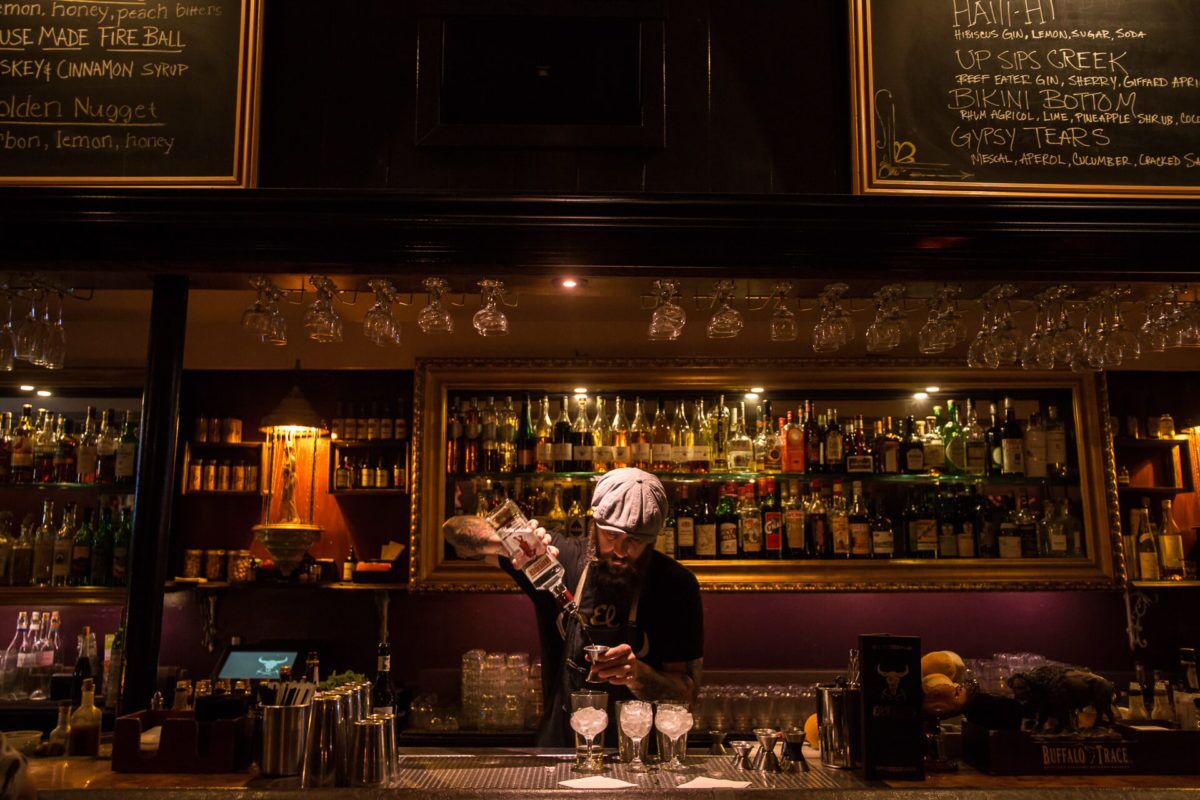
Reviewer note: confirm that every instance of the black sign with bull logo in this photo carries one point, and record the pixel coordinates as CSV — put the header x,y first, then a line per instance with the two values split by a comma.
x,y
893,738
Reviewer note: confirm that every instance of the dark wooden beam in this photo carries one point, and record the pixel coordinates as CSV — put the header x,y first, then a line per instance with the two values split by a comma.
x,y
150,546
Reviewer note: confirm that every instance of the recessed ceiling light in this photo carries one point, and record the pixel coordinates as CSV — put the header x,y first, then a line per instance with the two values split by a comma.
x,y
25,387
757,389
920,396
44,393
580,390
570,283
933,389
751,395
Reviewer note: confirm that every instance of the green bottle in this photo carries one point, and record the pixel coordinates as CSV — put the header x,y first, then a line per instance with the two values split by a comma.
x,y
120,553
955,439
102,550
81,552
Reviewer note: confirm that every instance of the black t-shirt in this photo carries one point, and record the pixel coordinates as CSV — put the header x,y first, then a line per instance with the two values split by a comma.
x,y
670,618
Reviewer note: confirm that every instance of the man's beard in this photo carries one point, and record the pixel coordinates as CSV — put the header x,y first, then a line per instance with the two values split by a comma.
x,y
623,581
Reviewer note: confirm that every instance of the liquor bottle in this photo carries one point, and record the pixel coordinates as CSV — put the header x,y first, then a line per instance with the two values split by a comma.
x,y
683,439
337,425
912,451
86,463
839,523
791,433
43,547
860,524
1012,446
1170,546
1072,529
727,523
383,697
60,570
667,537
794,518
817,534
620,436
373,420
1027,527
81,552
834,443
65,470
750,523
44,448
544,439
576,520
84,736
582,441
525,443
814,441
563,461
640,445
342,478
948,522
740,448
661,452
102,549
27,657
106,447
700,455
772,519
6,446
22,447
602,440
955,440
773,442
489,446
556,520
366,475
706,525
21,570
1148,560
933,447
120,550
883,534
1056,443
965,529
685,526
506,438
922,527
8,668
6,547
349,565
1052,539
976,444
995,444
1035,447
472,447
759,441
400,423
454,433
387,423
887,447
719,454
858,457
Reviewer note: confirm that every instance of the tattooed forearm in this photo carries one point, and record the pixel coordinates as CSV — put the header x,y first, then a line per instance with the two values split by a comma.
x,y
471,537
680,686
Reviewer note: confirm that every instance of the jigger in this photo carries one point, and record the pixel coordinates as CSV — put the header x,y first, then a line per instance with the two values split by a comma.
x,y
766,761
793,753
742,760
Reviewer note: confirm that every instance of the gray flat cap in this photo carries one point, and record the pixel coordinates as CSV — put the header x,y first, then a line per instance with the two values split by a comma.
x,y
631,501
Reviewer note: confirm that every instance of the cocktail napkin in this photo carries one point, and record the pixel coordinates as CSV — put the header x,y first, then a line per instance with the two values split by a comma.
x,y
712,783
596,782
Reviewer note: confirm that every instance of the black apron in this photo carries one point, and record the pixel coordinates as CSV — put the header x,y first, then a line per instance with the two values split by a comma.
x,y
556,723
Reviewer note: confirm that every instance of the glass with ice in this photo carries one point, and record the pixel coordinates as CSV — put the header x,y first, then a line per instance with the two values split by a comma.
x,y
636,717
528,553
673,722
589,718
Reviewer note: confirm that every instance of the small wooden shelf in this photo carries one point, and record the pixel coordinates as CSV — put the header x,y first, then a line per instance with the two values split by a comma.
x,y
215,445
367,492
1158,491
62,595
368,443
102,488
1148,444
823,477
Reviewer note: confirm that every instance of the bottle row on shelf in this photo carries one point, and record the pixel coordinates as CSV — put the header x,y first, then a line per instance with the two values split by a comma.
x,y
54,448
819,518
1156,546
93,551
370,422
221,475
493,439
367,471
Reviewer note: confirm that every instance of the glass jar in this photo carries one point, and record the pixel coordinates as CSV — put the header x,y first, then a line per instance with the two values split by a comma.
x,y
231,430
223,477
200,431
210,476
251,477
214,429
237,477
214,565
193,563
239,566
195,476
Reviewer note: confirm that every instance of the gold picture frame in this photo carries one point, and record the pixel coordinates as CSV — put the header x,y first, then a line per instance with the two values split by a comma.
x,y
1101,568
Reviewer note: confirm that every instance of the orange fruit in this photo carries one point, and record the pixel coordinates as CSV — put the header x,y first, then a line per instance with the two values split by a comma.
x,y
943,662
810,732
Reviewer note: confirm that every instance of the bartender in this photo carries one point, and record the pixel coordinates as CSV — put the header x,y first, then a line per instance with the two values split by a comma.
x,y
642,604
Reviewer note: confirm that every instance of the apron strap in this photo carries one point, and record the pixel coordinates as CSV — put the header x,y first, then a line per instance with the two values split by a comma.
x,y
633,608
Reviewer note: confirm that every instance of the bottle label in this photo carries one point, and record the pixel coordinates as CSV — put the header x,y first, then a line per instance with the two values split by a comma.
x,y
383,664
685,532
24,660
120,556
621,454
1171,551
542,566
706,540
1058,545
641,451
561,451
817,536
700,454
860,464
86,461
976,457
125,459
966,541
947,541
883,542
833,449
45,658
839,531
891,459
1035,454
1012,456
914,460
860,539
583,452
1147,564
956,453
22,458
926,535
544,452
602,454
1010,545
773,531
752,534
662,453
1056,447
680,454
934,455
727,538
793,523
666,541
740,459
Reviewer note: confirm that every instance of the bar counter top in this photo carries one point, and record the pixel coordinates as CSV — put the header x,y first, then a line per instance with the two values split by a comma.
x,y
477,774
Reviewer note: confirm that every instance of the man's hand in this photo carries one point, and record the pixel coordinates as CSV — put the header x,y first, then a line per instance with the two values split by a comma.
x,y
618,665
544,537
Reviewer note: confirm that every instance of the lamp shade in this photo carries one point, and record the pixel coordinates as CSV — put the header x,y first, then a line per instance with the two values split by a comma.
x,y
293,411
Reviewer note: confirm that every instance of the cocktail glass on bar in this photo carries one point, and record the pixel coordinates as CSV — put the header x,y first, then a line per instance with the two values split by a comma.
x,y
589,718
636,718
673,722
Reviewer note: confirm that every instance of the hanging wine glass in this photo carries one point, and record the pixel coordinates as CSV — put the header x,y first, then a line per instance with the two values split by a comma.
x,y
489,320
434,318
56,342
784,327
27,330
8,340
726,322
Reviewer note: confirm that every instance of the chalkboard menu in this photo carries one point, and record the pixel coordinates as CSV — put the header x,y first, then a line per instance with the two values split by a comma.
x,y
1097,97
128,92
